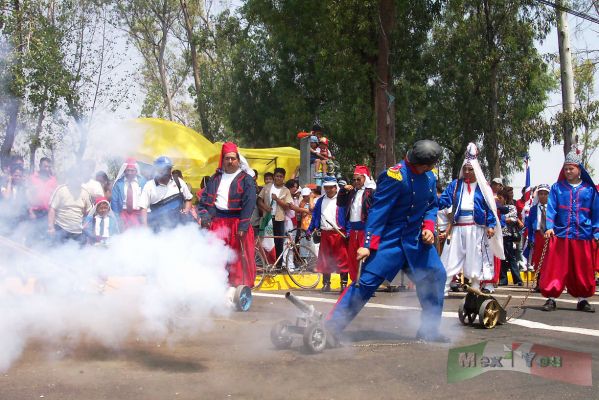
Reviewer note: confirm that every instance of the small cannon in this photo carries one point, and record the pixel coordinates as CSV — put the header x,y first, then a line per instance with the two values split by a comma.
x,y
309,325
486,307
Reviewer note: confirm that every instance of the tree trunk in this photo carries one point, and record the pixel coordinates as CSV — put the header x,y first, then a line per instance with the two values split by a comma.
x,y
384,109
35,142
14,102
491,139
567,78
206,129
14,106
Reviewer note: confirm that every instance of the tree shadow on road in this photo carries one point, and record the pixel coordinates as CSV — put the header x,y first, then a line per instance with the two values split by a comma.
x,y
146,358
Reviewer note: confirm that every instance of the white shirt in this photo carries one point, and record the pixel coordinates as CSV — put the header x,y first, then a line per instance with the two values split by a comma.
x,y
328,211
94,188
468,198
152,194
355,212
540,214
276,191
443,219
136,193
222,194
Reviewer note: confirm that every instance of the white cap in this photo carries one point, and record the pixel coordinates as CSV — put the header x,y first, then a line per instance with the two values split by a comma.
x,y
498,181
306,191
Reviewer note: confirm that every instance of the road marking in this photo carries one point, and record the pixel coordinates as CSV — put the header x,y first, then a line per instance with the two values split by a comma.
x,y
446,314
458,294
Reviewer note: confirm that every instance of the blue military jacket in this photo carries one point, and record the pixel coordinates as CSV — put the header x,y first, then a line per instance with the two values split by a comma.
x,y
573,212
483,215
404,204
402,199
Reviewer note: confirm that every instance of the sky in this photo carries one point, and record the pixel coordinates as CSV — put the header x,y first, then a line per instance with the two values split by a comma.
x,y
545,164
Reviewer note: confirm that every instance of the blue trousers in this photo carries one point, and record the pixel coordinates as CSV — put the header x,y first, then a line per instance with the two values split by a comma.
x,y
384,264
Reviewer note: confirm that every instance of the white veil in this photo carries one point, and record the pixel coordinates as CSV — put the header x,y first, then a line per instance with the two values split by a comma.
x,y
496,242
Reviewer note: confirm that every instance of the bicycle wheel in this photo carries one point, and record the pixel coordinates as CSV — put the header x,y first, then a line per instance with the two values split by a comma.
x,y
262,267
304,275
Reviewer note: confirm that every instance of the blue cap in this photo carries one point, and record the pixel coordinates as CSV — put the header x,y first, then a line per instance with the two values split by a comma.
x,y
329,181
313,139
163,162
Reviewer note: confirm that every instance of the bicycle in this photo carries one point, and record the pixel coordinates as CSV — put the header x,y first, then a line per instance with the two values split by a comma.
x,y
303,274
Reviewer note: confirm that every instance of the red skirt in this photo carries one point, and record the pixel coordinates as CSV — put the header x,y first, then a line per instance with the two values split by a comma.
x,y
332,256
242,271
130,219
568,263
356,240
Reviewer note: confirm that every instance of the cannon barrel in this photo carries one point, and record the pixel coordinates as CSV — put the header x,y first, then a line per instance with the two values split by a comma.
x,y
305,308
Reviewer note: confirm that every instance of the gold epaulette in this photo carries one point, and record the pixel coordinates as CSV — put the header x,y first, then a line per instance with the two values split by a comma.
x,y
395,172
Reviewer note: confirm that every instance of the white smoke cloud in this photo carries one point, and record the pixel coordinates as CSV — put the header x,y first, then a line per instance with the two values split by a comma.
x,y
156,287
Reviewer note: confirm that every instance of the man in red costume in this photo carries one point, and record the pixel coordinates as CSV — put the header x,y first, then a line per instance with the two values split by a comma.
x,y
226,206
356,200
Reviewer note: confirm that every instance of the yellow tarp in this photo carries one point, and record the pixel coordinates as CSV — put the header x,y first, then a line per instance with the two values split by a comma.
x,y
197,157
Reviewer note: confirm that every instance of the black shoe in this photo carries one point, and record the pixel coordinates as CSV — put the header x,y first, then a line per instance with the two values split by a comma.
x,y
550,305
486,291
502,284
326,287
537,289
342,287
584,305
520,284
435,337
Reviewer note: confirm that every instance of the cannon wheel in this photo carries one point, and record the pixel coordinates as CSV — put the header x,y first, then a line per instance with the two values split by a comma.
x,y
315,338
488,313
465,318
279,335
242,298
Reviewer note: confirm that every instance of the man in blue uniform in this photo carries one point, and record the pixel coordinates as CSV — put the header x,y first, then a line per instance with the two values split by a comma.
x,y
399,236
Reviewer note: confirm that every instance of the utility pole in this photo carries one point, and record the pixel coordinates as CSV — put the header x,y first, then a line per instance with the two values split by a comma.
x,y
567,76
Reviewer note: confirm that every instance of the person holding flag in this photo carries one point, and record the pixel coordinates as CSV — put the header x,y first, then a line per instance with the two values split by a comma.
x,y
356,200
536,224
573,233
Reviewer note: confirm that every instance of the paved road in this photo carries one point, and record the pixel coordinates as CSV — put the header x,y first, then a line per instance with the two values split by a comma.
x,y
380,359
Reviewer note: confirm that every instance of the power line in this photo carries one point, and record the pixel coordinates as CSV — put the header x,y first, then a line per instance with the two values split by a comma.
x,y
569,11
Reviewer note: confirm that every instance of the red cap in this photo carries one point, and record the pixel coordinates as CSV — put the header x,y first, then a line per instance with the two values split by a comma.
x,y
228,147
102,199
362,170
131,163
324,141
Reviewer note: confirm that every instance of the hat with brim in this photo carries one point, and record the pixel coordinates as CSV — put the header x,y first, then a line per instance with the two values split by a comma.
x,y
329,181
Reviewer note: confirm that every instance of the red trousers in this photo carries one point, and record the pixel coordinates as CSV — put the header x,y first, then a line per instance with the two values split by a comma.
x,y
242,271
568,263
130,219
537,250
356,240
332,256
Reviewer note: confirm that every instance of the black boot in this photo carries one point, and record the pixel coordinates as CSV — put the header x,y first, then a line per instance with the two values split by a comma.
x,y
326,283
344,278
550,305
584,305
